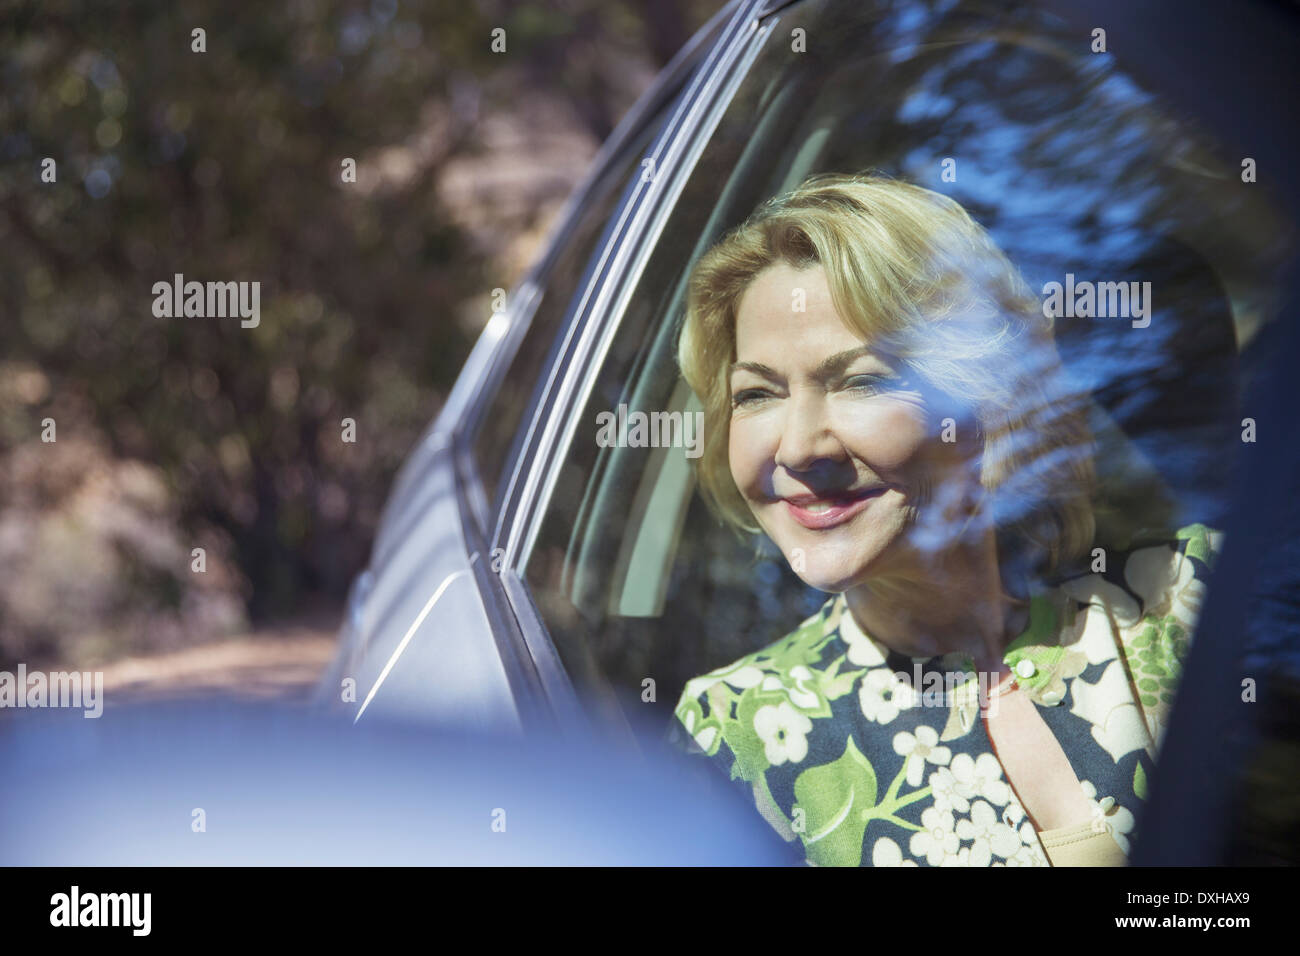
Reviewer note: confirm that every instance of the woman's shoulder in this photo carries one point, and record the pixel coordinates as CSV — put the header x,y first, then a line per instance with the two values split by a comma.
x,y
799,671
1142,605
1152,579
804,646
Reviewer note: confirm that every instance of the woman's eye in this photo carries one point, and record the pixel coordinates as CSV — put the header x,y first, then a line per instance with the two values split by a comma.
x,y
867,383
747,396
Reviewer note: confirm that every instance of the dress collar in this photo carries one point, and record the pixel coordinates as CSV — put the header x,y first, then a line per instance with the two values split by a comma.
x,y
1041,633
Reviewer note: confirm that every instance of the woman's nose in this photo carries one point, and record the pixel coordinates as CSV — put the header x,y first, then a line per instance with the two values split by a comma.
x,y
807,436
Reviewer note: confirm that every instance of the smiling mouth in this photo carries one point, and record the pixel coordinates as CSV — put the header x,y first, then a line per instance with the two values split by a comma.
x,y
817,513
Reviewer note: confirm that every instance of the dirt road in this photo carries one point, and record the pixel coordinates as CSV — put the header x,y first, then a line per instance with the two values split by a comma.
x,y
282,663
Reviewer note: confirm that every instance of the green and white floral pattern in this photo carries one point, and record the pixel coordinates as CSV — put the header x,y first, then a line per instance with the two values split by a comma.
x,y
840,754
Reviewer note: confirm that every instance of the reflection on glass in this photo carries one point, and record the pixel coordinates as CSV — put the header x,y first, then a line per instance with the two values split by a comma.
x,y
1086,340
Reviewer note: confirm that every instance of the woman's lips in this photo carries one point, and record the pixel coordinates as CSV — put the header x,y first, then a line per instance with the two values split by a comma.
x,y
820,513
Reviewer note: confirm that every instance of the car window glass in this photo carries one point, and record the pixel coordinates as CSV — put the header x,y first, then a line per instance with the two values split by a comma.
x,y
1072,167
499,429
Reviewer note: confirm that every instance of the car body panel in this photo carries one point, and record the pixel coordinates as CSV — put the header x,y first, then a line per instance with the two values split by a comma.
x,y
417,639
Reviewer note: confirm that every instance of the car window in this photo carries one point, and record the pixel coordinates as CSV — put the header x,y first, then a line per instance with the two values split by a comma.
x,y
499,431
1073,168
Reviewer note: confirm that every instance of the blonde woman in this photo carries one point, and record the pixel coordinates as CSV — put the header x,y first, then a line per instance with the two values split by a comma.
x,y
883,399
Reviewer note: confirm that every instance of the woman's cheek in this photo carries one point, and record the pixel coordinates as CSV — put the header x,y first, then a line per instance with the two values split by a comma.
x,y
750,451
887,437
745,452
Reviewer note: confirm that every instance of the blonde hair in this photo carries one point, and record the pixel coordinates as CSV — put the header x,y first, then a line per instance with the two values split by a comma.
x,y
925,286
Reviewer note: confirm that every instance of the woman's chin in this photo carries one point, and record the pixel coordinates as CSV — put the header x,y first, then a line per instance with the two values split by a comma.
x,y
830,580
837,559
832,564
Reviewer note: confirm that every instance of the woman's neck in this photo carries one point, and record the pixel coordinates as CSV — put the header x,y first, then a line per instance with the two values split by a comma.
x,y
956,605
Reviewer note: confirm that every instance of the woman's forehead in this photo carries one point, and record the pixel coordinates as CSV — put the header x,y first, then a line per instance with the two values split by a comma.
x,y
815,358
783,330
782,281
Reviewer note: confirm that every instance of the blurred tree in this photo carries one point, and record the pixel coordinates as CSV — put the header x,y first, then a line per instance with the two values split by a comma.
x,y
227,165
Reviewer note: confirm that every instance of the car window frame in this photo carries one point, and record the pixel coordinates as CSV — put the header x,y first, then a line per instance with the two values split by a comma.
x,y
676,153
505,332
702,69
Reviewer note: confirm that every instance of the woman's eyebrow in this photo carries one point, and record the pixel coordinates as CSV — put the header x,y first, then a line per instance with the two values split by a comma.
x,y
756,367
827,368
838,362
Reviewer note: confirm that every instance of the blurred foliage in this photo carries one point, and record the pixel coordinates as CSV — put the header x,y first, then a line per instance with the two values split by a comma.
x,y
225,165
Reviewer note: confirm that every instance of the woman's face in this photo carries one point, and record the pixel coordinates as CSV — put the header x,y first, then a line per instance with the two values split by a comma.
x,y
835,453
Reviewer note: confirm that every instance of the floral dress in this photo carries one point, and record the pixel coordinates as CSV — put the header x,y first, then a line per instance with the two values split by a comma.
x,y
864,767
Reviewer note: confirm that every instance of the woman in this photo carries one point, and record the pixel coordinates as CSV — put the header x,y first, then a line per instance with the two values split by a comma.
x,y
883,399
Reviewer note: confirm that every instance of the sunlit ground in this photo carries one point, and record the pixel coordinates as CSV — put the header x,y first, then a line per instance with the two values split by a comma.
x,y
280,662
